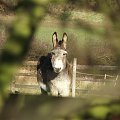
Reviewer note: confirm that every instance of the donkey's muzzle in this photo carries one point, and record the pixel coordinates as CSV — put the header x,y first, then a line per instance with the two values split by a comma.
x,y
57,70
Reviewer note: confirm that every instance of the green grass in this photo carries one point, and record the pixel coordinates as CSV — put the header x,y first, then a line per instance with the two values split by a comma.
x,y
83,41
80,32
45,33
80,37
88,16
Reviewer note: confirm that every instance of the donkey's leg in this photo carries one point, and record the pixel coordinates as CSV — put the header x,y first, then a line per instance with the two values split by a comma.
x,y
53,91
65,92
44,88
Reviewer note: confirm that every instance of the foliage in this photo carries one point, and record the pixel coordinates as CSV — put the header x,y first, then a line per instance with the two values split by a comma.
x,y
29,14
54,108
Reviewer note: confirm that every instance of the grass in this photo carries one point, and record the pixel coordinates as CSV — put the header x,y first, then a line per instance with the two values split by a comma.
x,y
88,16
80,36
45,33
51,24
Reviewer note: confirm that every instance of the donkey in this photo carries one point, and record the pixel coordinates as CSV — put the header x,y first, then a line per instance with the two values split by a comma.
x,y
54,71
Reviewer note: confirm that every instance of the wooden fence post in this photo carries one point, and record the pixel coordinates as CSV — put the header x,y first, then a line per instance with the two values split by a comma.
x,y
104,79
74,76
105,76
116,81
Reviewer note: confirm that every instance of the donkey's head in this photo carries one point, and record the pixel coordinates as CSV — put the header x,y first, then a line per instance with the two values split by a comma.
x,y
59,53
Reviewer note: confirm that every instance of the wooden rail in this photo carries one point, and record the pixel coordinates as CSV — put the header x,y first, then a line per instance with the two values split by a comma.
x,y
97,67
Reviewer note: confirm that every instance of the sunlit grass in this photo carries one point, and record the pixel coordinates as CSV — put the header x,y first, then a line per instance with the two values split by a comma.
x,y
44,33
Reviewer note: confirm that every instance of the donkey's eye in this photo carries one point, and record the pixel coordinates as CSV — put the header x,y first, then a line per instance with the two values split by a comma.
x,y
64,53
52,53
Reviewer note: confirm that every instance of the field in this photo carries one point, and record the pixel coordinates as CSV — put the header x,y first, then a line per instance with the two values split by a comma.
x,y
92,27
86,42
81,38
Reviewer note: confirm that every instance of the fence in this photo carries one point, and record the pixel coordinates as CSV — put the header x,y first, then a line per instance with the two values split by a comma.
x,y
86,79
97,80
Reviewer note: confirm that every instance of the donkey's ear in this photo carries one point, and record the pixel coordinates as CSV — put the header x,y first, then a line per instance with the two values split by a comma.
x,y
64,40
54,40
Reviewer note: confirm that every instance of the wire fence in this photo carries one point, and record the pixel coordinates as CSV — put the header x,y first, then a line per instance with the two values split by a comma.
x,y
25,80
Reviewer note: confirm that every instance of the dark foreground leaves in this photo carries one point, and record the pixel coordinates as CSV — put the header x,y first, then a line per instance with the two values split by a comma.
x,y
30,107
